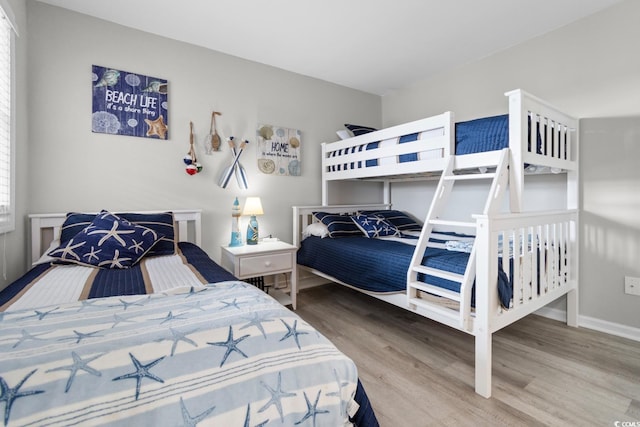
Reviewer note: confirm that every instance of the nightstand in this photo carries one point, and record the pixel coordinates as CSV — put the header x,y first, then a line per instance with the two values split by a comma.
x,y
263,259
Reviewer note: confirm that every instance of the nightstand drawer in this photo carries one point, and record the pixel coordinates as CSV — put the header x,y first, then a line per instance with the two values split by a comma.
x,y
259,265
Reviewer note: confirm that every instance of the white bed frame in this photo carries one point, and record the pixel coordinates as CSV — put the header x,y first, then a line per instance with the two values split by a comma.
x,y
46,227
437,137
555,233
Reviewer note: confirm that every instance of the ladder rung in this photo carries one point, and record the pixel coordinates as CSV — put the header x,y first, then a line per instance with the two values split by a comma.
x,y
452,316
452,223
447,179
454,277
435,290
469,176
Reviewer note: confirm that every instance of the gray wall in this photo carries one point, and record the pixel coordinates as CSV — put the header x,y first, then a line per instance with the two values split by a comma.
x,y
71,168
588,69
610,216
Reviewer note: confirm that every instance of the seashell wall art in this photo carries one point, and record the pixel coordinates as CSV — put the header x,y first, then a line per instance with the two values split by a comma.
x,y
278,150
126,103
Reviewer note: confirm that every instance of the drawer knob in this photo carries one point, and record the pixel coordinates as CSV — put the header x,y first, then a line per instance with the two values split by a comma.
x,y
267,264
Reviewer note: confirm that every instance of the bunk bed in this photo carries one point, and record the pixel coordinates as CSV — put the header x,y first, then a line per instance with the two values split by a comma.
x,y
506,262
172,340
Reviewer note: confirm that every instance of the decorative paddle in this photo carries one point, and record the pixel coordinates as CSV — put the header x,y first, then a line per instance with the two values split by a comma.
x,y
215,138
225,176
240,172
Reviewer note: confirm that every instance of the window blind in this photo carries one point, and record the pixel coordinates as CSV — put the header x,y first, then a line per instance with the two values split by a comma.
x,y
7,210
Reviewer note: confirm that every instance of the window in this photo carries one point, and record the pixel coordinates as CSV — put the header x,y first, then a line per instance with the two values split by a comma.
x,y
7,173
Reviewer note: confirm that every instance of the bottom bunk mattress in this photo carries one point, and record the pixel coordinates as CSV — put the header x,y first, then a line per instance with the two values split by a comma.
x,y
381,265
49,283
226,354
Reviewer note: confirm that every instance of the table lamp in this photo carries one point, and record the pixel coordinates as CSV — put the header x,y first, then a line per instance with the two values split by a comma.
x,y
252,207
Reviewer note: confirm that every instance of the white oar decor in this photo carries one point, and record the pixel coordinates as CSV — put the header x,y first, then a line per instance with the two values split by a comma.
x,y
225,176
240,172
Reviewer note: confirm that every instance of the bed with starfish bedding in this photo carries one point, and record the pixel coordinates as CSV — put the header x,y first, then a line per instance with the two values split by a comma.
x,y
196,346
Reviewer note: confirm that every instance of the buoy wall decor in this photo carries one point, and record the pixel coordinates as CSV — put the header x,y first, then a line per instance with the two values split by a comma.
x,y
193,167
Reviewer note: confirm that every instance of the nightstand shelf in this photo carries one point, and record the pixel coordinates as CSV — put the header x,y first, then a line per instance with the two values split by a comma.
x,y
263,259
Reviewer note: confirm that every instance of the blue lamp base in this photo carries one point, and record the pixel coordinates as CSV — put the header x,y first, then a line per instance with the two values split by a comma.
x,y
252,231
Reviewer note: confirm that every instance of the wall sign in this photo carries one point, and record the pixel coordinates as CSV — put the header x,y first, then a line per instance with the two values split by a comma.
x,y
278,150
126,103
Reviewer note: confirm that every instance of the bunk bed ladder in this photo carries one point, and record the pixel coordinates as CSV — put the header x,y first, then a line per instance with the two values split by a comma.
x,y
458,313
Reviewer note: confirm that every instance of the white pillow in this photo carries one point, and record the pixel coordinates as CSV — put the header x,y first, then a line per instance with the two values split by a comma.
x,y
315,229
343,134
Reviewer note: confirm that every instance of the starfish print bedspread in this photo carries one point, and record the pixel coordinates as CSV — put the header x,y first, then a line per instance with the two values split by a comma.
x,y
228,355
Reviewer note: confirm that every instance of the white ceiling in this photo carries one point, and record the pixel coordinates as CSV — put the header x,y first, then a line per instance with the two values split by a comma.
x,y
375,46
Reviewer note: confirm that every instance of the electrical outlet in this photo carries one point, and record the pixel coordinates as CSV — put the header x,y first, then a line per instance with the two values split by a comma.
x,y
632,285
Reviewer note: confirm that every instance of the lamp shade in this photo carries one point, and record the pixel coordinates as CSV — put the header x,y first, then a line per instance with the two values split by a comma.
x,y
252,206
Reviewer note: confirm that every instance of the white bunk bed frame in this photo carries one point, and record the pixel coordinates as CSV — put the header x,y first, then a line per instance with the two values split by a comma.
x,y
555,234
46,227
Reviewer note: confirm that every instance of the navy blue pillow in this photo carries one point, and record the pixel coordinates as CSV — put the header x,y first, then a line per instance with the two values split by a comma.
x,y
161,223
338,225
399,219
359,130
73,224
107,242
375,226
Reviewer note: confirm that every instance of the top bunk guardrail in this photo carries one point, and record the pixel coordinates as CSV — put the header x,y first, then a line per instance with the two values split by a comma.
x,y
539,136
416,148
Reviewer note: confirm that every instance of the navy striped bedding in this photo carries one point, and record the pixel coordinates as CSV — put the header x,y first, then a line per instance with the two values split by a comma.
x,y
129,281
379,265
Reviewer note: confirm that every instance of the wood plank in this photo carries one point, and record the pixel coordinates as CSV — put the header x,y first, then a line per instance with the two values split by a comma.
x,y
418,372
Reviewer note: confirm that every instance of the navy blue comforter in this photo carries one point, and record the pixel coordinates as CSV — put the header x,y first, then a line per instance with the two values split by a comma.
x,y
378,265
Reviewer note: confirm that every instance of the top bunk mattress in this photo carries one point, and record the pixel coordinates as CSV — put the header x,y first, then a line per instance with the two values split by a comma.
x,y
473,136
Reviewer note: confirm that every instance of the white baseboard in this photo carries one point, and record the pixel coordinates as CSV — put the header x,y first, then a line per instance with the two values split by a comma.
x,y
599,325
612,328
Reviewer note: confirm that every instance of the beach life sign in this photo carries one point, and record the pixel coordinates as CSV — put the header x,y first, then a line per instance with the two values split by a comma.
x,y
126,103
279,150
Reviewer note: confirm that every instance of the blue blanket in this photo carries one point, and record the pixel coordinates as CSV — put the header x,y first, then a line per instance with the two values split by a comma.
x,y
371,264
472,136
379,265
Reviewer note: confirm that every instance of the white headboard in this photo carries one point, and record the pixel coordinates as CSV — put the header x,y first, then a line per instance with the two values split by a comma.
x,y
46,227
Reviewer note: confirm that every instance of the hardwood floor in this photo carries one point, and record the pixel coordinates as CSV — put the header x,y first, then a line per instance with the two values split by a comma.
x,y
418,372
